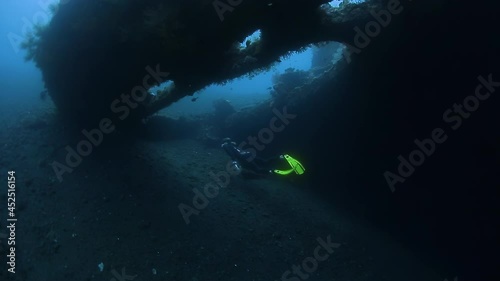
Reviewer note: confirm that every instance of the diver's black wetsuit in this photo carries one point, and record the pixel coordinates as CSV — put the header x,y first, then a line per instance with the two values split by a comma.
x,y
246,159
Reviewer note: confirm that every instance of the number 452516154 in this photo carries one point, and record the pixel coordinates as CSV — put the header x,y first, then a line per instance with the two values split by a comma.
x,y
11,193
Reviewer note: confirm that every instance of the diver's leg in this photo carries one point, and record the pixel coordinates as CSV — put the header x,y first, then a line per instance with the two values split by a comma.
x,y
267,162
253,166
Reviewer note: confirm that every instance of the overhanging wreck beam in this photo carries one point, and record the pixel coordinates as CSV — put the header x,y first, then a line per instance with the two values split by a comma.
x,y
106,45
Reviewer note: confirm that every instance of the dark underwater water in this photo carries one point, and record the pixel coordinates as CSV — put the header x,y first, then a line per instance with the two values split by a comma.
x,y
398,137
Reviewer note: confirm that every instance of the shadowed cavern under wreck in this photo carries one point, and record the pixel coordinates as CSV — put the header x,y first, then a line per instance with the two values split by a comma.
x,y
361,117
